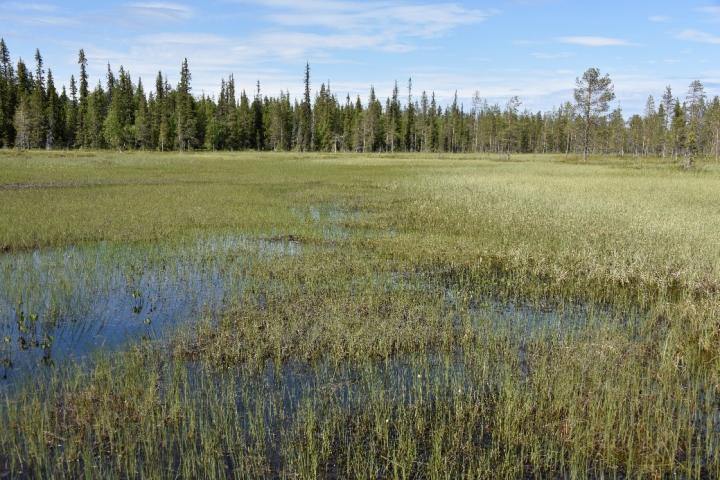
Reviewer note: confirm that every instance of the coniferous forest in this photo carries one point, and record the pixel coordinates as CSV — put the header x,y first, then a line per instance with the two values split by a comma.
x,y
121,114
469,288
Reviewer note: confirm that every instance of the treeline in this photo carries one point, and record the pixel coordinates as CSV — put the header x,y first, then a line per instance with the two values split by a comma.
x,y
121,115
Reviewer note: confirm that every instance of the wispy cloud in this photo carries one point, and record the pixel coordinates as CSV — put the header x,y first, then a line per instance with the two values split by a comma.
x,y
398,17
711,9
589,41
698,36
382,25
160,10
34,14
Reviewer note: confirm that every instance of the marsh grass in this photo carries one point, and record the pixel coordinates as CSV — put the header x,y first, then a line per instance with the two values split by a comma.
x,y
444,317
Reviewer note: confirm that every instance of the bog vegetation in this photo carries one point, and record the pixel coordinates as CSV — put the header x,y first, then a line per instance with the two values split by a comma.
x,y
120,115
373,316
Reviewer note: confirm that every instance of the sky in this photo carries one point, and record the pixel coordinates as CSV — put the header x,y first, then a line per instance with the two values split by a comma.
x,y
533,49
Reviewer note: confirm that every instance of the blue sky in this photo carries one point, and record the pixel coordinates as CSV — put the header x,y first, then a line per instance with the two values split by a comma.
x,y
530,48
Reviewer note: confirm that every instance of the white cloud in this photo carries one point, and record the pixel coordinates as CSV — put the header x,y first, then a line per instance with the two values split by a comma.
x,y
396,17
379,24
589,41
160,10
698,36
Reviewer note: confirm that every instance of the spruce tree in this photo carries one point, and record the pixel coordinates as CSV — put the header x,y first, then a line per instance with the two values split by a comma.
x,y
184,116
65,105
71,115
8,97
305,129
161,127
393,120
55,122
96,115
119,124
245,123
141,127
38,115
22,123
409,123
82,135
258,134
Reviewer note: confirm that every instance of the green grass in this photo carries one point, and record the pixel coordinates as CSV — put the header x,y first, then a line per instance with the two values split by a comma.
x,y
375,352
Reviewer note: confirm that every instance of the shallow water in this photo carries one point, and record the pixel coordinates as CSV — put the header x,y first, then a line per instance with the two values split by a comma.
x,y
332,222
63,304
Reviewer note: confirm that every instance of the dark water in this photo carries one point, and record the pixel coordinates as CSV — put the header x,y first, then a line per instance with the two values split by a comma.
x,y
63,304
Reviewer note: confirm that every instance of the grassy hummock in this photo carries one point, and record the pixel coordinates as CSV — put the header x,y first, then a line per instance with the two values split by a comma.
x,y
375,316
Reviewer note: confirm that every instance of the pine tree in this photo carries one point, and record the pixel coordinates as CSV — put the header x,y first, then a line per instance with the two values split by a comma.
x,y
511,126
713,125
695,110
678,130
593,93
617,131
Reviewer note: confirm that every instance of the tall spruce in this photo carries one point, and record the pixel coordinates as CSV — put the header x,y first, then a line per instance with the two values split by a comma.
x,y
54,112
117,114
184,118
141,126
305,128
38,115
8,97
82,134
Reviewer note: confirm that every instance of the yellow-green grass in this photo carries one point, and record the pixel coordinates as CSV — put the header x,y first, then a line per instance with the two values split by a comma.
x,y
369,354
